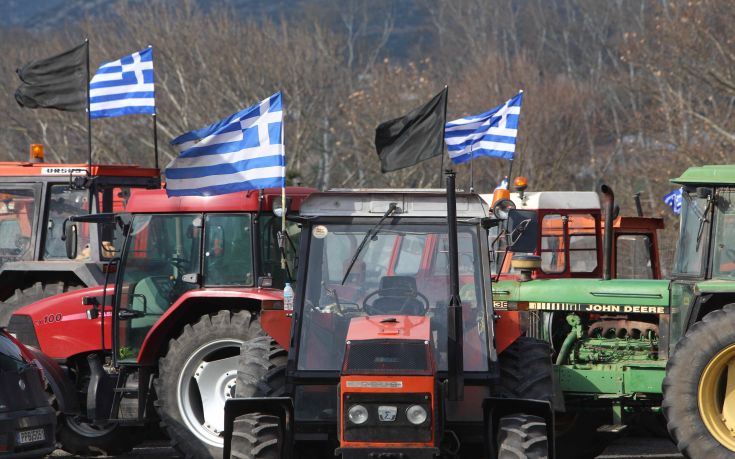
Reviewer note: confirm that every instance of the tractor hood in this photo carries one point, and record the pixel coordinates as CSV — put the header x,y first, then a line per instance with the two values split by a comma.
x,y
626,295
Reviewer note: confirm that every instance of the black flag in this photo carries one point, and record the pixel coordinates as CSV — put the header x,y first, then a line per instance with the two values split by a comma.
x,y
412,138
58,82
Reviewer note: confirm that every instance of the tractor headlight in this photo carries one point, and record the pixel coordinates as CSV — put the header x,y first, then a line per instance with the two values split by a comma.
x,y
416,414
358,414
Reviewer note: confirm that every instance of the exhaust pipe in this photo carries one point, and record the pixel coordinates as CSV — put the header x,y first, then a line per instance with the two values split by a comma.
x,y
455,329
608,202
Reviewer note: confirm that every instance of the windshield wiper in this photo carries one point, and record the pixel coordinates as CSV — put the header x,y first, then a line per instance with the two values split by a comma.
x,y
702,221
369,235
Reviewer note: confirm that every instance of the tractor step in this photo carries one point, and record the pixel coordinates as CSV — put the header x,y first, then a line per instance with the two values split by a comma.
x,y
612,428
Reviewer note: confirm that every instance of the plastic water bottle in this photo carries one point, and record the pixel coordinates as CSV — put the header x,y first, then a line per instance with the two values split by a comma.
x,y
288,297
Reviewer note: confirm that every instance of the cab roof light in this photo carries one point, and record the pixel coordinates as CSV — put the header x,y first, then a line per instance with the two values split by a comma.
x,y
520,183
36,153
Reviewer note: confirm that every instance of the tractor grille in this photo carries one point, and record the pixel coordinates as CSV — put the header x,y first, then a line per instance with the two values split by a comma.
x,y
387,357
22,327
399,430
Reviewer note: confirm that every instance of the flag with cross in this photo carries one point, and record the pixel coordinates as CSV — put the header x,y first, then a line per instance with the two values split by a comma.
x,y
123,87
242,152
492,133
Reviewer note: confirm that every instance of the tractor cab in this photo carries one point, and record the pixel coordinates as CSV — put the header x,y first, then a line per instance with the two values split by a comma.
x,y
570,241
392,350
35,200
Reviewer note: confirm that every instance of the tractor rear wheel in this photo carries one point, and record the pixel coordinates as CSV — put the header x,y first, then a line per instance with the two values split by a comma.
x,y
522,436
256,436
700,378
197,375
31,294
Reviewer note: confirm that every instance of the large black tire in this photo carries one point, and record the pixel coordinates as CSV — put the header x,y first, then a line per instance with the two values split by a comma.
x,y
38,291
258,356
256,436
702,344
179,403
526,370
76,435
522,436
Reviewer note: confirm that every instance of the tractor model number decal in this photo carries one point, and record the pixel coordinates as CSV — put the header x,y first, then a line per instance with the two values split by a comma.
x,y
50,318
615,308
63,171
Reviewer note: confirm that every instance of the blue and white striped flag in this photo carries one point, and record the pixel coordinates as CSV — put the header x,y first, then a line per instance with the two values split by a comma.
x,y
492,133
242,152
503,185
123,87
673,200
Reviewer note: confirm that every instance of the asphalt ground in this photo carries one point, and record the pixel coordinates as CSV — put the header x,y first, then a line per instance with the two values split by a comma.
x,y
623,448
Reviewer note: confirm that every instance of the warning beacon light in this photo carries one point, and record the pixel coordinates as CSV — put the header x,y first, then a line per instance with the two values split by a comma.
x,y
36,155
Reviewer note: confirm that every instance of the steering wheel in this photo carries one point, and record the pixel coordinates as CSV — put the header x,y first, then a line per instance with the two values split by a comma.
x,y
400,294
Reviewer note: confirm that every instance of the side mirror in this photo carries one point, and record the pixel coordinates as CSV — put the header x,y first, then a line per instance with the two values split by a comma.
x,y
523,230
70,238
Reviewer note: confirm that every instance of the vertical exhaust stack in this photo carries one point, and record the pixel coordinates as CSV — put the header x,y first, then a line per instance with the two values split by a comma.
x,y
455,338
608,201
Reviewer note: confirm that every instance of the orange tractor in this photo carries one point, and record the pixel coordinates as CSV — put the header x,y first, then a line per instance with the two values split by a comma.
x,y
391,352
35,200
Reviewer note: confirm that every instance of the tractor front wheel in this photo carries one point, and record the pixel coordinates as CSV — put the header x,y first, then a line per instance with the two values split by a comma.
x,y
256,436
699,388
197,375
522,436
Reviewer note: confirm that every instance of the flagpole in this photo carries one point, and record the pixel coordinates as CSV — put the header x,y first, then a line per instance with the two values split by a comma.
x,y
155,123
510,172
472,170
441,169
89,115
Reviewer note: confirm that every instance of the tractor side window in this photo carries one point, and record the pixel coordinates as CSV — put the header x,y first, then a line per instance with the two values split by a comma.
x,y
270,253
161,249
228,257
553,259
64,203
16,223
723,255
695,221
633,257
582,243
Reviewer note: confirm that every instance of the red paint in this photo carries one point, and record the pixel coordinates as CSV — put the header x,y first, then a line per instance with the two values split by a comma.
x,y
277,324
389,327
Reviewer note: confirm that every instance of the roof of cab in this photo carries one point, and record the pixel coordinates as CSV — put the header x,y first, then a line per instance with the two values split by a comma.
x,y
156,201
374,203
712,174
23,169
536,200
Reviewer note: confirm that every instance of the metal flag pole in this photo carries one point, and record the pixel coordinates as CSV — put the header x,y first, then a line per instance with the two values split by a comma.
x,y
510,172
441,168
89,114
472,170
155,122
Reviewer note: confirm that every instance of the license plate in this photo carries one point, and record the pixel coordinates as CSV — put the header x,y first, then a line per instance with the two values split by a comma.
x,y
31,436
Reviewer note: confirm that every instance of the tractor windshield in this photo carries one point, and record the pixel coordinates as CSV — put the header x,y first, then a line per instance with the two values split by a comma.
x,y
695,221
17,211
723,253
401,270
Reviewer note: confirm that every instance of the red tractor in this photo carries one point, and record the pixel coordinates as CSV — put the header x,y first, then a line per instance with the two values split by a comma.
x,y
35,200
392,348
160,340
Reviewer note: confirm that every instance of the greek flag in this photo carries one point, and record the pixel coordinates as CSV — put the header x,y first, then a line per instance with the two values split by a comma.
x,y
123,87
503,185
241,152
673,200
492,133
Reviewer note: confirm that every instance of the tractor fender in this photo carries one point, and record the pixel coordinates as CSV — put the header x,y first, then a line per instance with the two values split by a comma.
x,y
191,306
495,408
59,383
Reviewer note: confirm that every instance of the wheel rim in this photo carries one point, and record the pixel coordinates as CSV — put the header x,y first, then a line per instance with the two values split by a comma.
x,y
205,382
86,428
716,397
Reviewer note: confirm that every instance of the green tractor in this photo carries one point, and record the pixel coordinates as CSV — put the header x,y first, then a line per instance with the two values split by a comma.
x,y
627,350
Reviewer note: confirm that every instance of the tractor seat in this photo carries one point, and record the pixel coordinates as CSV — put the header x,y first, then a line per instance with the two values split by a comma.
x,y
397,295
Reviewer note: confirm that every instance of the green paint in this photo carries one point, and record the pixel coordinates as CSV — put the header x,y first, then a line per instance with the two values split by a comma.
x,y
617,379
708,175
